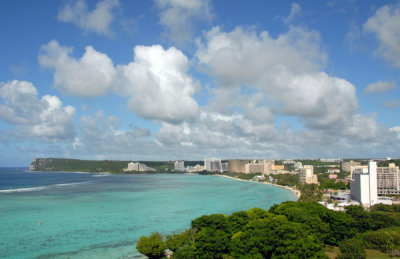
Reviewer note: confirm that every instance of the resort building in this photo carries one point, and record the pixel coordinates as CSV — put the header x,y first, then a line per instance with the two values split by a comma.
x,y
297,166
363,186
307,176
346,166
213,164
333,171
198,168
255,167
260,166
388,179
361,169
139,167
237,165
225,167
179,166
268,166
288,162
277,167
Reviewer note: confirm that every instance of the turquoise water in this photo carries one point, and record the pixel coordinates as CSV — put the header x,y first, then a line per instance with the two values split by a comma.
x,y
63,215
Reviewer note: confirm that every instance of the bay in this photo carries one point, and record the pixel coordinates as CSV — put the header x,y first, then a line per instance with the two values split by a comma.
x,y
91,215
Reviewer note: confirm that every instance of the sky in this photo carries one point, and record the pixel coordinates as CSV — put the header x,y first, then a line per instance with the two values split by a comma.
x,y
190,79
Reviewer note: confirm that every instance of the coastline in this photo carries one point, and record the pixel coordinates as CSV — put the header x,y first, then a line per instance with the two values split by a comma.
x,y
297,192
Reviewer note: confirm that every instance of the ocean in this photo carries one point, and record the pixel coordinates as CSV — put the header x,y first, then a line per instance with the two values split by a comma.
x,y
92,215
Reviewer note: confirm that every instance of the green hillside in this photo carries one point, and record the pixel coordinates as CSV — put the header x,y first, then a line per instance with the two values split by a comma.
x,y
77,165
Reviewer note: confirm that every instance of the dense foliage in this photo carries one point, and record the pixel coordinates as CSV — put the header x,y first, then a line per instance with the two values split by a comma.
x,y
289,230
152,246
287,179
352,249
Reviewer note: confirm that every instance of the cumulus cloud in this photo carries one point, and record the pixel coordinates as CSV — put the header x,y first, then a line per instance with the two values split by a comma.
x,y
396,131
379,87
242,56
285,69
218,131
89,76
178,16
97,21
239,136
101,136
44,119
384,24
158,84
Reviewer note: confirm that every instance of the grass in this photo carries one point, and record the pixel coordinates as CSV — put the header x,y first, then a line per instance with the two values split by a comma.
x,y
375,254
333,251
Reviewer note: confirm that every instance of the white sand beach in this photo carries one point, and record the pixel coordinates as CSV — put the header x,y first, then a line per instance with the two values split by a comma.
x,y
297,192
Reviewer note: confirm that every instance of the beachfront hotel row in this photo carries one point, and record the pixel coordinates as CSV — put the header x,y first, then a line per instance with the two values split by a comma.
x,y
369,184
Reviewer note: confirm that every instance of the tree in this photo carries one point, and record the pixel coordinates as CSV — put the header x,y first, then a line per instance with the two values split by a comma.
x,y
385,240
276,237
352,249
152,246
176,241
211,243
361,217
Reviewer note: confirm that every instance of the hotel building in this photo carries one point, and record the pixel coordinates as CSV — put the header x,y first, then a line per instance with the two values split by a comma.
x,y
307,176
363,185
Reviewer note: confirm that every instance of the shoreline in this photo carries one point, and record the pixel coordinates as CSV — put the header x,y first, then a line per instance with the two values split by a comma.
x,y
296,192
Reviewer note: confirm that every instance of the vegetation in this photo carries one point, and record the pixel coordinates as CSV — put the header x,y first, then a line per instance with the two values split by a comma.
x,y
310,192
288,230
76,165
352,249
287,179
387,162
152,246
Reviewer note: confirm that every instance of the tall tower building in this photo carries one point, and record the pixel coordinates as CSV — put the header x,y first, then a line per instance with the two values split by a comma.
x,y
373,186
179,166
363,186
213,164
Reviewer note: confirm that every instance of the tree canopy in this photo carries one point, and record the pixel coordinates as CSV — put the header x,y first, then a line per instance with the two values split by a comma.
x,y
288,230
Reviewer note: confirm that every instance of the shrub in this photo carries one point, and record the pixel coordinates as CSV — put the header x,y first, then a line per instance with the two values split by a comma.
x,y
352,249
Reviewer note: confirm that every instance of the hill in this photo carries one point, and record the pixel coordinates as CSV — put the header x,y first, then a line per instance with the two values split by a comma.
x,y
77,165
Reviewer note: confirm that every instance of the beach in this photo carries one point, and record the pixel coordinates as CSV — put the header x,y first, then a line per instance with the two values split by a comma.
x,y
297,192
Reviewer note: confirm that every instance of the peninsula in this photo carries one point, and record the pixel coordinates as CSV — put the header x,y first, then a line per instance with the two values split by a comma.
x,y
110,166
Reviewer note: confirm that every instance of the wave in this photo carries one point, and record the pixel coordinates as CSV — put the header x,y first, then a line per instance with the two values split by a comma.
x,y
30,189
40,188
101,175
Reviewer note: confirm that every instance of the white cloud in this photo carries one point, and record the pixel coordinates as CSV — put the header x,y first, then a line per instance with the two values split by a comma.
x,y
101,137
295,11
385,24
158,84
285,69
392,103
379,87
178,17
44,119
90,76
396,131
156,81
97,21
361,128
242,57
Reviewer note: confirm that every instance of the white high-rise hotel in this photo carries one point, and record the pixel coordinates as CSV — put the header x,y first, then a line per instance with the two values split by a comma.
x,y
363,185
369,181
213,164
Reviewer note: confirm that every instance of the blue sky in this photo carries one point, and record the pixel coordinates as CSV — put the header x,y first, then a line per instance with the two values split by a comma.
x,y
180,79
